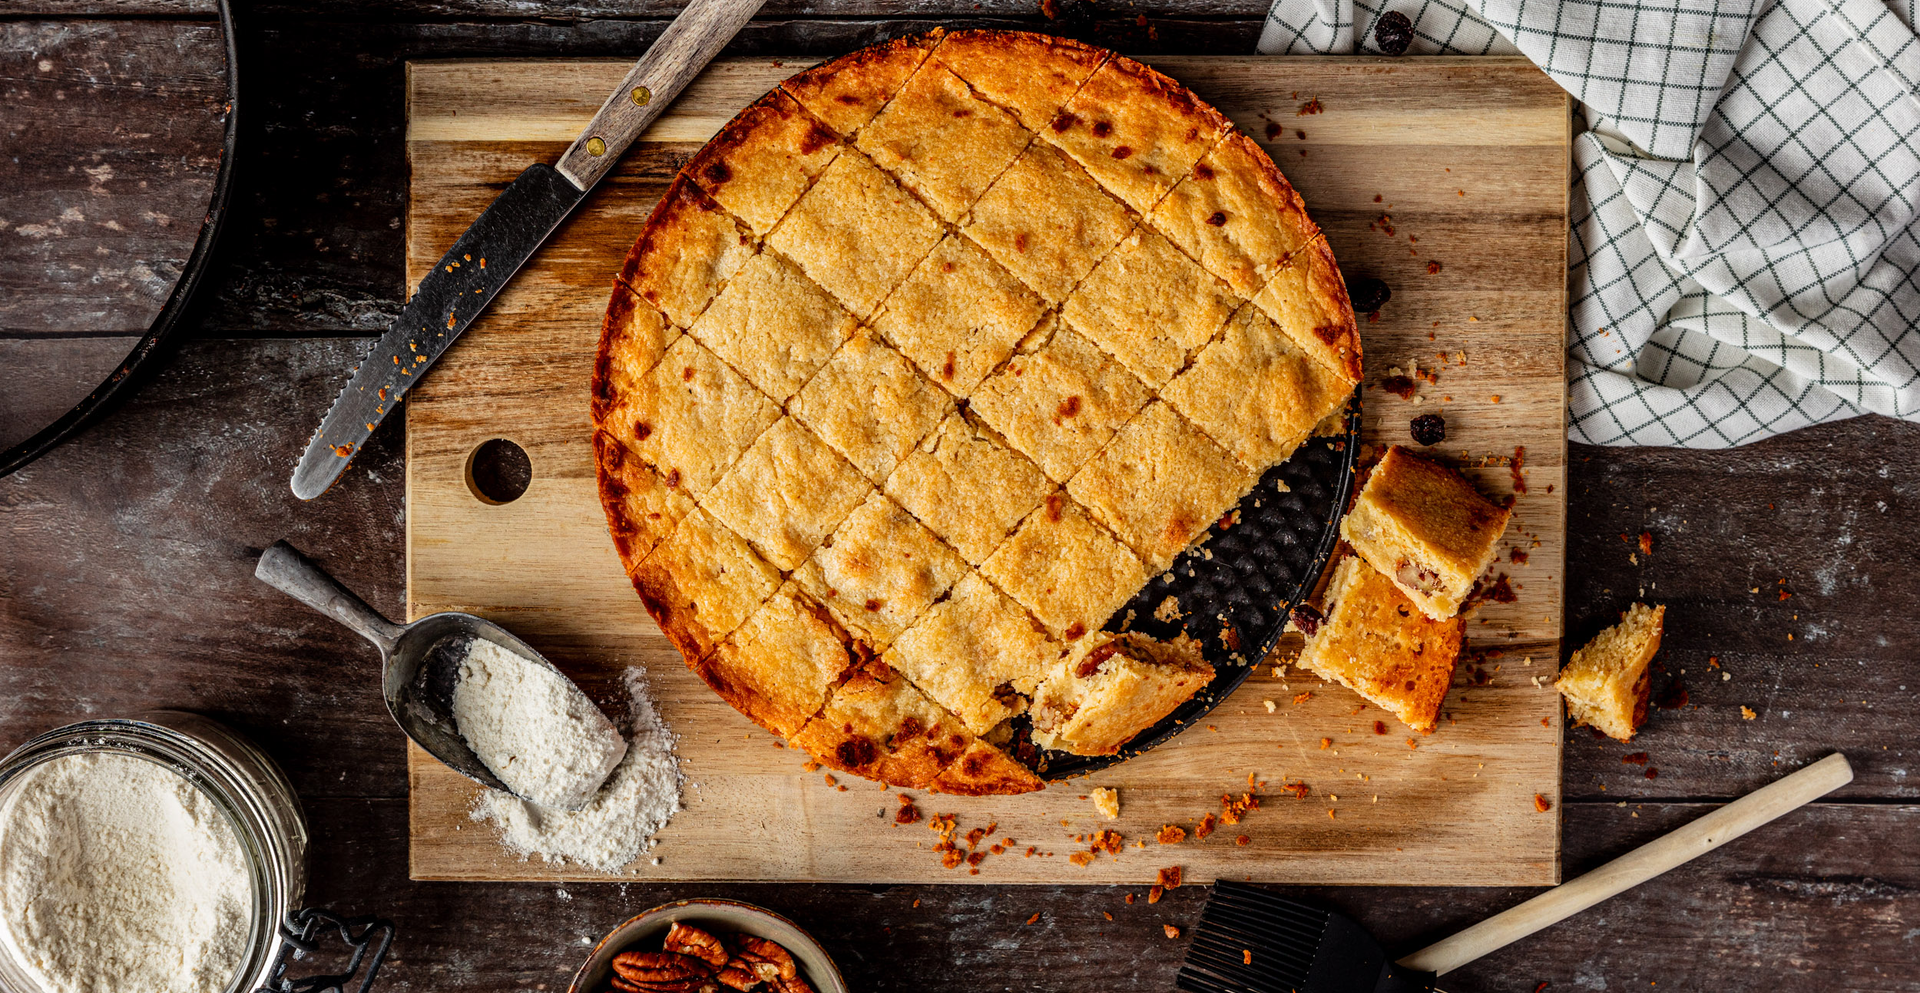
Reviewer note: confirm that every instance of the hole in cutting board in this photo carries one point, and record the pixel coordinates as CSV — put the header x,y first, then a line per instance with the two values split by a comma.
x,y
498,472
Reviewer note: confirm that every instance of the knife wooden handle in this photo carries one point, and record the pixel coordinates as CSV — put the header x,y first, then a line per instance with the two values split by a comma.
x,y
689,43
1649,860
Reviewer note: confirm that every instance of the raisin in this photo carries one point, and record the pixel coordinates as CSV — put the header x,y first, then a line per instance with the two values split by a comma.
x,y
1393,33
1368,294
1429,429
1307,619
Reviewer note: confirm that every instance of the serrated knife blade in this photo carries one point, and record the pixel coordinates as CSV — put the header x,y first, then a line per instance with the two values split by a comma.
x,y
507,234
458,289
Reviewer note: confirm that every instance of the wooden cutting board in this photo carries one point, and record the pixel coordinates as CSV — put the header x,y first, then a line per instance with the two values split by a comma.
x,y
1445,177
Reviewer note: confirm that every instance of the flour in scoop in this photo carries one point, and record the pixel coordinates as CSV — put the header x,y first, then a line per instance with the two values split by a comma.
x,y
117,875
617,826
533,727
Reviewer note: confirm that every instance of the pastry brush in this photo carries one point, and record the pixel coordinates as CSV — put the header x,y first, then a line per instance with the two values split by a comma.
x,y
1252,941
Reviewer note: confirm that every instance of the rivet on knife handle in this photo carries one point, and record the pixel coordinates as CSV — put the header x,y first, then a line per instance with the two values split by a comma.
x,y
689,43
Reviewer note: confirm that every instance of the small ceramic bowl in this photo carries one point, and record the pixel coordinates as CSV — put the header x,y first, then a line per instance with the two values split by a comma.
x,y
645,931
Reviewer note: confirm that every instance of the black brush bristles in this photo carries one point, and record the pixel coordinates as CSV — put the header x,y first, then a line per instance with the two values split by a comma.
x,y
1252,941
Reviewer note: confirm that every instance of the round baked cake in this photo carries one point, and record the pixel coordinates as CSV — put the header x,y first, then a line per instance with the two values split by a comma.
x,y
926,364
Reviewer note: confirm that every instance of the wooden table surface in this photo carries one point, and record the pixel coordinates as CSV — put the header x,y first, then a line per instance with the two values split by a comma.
x,y
126,556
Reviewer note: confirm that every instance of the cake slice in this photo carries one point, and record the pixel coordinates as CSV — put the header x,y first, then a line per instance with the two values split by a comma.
x,y
1113,686
1606,683
1426,528
1375,642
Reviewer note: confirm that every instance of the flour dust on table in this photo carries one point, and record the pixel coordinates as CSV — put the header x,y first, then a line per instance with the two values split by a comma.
x,y
533,727
618,824
117,875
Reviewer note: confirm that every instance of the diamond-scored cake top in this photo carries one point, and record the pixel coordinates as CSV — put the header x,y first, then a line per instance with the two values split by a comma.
x,y
929,361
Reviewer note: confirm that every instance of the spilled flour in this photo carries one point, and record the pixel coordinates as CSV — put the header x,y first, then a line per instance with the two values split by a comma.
x,y
619,823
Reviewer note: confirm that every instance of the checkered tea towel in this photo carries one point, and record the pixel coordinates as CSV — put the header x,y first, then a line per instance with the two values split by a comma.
x,y
1745,256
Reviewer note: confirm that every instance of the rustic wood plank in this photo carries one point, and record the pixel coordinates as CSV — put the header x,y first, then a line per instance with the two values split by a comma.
x,y
544,565
113,132
126,567
1831,513
1822,900
45,377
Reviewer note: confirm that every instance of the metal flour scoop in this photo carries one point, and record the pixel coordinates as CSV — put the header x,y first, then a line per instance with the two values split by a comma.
x,y
420,662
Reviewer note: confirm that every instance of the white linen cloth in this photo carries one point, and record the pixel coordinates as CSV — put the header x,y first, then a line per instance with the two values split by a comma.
x,y
1745,255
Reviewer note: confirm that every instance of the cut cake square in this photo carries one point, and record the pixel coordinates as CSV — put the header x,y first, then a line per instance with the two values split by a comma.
x,y
1375,642
774,325
701,416
958,315
1065,568
846,93
641,508
1236,214
1113,686
1308,299
1160,484
690,247
879,726
779,666
941,141
1135,130
787,493
857,233
1149,306
702,582
633,336
880,570
1606,683
871,406
1047,221
1060,403
967,487
1424,526
758,166
1257,392
977,653
1032,75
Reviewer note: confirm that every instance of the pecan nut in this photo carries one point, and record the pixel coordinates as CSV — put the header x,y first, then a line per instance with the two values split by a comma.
x,y
618,985
661,972
737,978
763,958
695,943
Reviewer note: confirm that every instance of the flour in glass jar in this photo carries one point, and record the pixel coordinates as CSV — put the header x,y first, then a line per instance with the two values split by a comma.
x,y
118,875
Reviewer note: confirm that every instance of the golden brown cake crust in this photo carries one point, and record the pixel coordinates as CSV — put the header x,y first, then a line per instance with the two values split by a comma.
x,y
688,249
1308,299
849,91
925,364
1032,75
760,163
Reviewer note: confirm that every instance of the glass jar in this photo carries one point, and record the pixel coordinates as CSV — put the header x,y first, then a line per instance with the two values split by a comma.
x,y
240,780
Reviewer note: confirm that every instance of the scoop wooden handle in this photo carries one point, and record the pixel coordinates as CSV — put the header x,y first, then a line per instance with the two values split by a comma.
x,y
1635,867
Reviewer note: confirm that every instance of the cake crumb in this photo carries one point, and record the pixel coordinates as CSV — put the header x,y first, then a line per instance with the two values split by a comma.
x,y
1106,800
1747,714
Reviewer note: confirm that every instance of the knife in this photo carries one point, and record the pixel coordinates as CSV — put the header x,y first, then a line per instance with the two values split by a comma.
x,y
457,290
